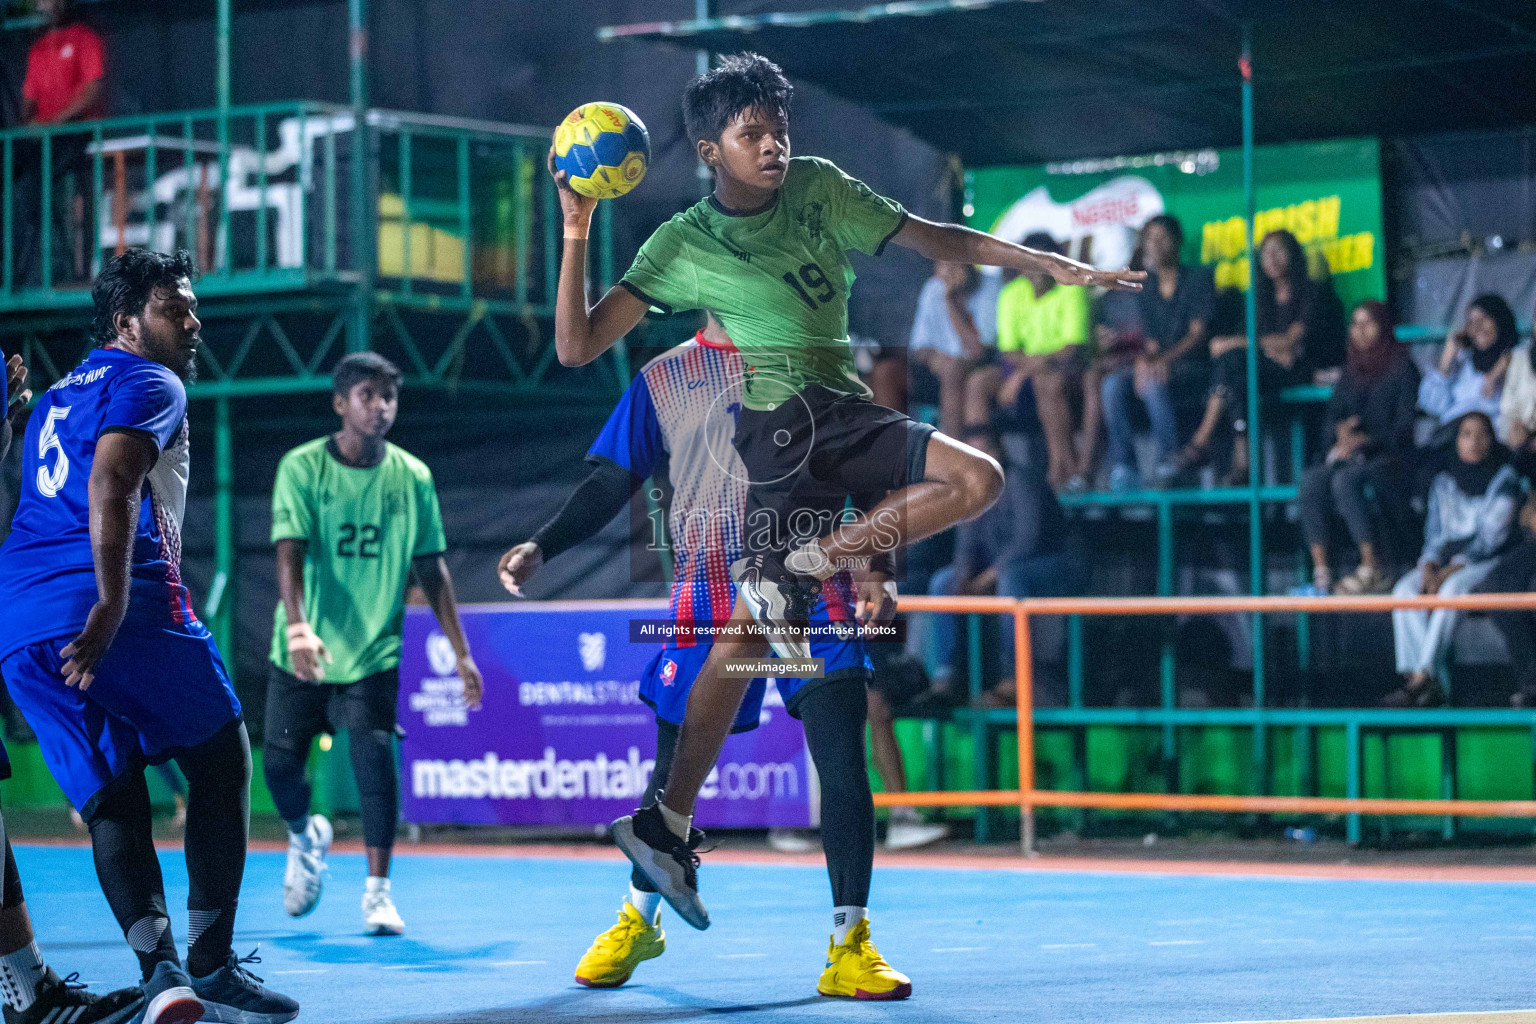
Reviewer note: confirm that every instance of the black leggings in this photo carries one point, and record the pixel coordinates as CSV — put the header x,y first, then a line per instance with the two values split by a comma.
x,y
373,766
218,775
834,714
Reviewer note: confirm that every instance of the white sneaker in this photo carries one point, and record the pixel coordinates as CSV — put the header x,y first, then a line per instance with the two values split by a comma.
x,y
379,914
792,840
305,877
907,835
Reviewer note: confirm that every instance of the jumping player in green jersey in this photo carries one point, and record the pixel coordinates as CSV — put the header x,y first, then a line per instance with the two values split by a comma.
x,y
766,253
353,518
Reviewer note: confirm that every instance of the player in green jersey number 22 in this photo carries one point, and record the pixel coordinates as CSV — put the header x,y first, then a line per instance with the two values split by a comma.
x,y
354,518
766,253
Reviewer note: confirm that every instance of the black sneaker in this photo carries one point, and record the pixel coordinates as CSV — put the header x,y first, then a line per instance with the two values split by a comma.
x,y
233,995
777,598
169,996
669,863
66,1001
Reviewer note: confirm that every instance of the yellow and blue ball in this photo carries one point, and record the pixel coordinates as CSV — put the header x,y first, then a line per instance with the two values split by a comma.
x,y
603,148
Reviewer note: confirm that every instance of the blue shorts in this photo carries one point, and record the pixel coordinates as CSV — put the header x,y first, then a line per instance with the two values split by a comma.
x,y
156,692
669,678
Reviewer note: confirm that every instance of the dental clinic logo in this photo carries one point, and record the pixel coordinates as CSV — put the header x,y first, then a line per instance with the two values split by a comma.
x,y
440,655
439,698
594,650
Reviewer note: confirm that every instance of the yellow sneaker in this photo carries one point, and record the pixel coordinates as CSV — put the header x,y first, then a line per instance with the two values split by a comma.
x,y
856,970
615,953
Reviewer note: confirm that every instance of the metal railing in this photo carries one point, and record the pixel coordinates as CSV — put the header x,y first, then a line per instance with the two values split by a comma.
x,y
1026,796
261,194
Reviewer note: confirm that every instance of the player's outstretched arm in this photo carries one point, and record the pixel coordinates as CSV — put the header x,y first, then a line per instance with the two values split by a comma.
x,y
958,244
121,463
596,500
432,573
583,333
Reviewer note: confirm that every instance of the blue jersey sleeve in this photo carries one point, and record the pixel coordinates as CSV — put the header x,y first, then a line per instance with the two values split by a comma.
x,y
632,436
149,400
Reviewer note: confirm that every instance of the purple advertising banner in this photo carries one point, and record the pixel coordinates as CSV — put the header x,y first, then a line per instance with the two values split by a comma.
x,y
562,737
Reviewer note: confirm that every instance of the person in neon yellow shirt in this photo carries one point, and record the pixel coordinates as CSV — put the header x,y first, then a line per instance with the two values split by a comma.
x,y
1043,331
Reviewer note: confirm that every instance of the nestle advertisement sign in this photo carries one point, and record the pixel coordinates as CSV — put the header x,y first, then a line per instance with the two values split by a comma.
x,y
562,737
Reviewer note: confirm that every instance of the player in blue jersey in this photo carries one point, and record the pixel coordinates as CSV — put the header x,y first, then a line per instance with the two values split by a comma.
x,y
33,992
103,654
674,424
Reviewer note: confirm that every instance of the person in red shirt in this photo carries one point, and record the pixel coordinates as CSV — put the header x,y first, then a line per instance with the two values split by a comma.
x,y
64,69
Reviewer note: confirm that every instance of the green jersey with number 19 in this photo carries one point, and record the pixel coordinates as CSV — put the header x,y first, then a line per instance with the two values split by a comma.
x,y
777,280
362,528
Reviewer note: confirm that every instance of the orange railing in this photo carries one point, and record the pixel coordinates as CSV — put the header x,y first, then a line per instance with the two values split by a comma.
x,y
1027,797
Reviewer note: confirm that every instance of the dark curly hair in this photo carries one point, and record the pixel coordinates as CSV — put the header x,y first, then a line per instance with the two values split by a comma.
x,y
742,81
126,284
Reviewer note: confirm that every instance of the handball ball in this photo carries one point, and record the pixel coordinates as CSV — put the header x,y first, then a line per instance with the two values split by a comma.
x,y
603,148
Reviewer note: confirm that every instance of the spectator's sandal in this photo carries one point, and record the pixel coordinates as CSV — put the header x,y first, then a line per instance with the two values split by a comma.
x,y
1365,580
1426,695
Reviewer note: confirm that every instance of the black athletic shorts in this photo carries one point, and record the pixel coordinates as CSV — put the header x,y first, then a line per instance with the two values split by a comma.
x,y
297,711
807,457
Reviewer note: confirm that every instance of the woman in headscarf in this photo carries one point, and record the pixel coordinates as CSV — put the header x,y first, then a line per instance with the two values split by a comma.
x,y
1470,373
1472,507
1370,419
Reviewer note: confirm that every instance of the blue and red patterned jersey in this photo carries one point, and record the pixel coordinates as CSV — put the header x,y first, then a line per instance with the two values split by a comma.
x,y
678,417
47,571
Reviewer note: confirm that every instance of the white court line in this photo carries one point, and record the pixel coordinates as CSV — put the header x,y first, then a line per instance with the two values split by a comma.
x,y
1069,945
1479,1017
957,949
1178,942
405,967
317,970
518,963
1397,938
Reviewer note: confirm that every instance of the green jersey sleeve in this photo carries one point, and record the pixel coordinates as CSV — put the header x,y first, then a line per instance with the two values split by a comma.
x,y
663,275
861,218
430,539
293,510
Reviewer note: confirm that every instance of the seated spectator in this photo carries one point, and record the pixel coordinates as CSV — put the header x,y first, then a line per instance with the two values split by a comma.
x,y
1042,336
955,329
1177,307
1470,373
1517,407
1471,520
1515,573
1370,418
1300,327
1020,547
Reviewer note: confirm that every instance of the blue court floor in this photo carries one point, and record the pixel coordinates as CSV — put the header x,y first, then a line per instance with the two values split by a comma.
x,y
496,939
